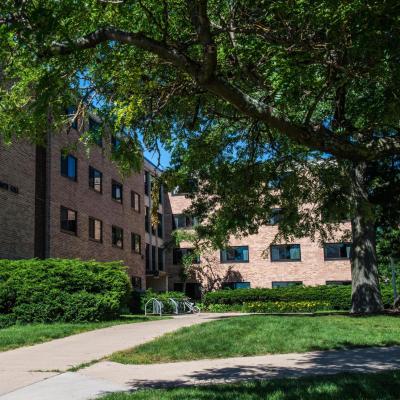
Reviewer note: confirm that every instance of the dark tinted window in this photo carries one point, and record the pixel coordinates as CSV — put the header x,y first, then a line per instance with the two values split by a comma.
x,y
117,237
337,251
285,252
135,201
116,191
68,220
136,243
95,229
95,180
235,254
69,166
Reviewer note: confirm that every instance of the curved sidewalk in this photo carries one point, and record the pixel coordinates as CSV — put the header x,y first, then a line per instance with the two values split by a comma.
x,y
27,365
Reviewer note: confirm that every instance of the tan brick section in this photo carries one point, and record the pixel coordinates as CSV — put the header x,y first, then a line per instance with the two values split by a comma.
x,y
17,211
260,271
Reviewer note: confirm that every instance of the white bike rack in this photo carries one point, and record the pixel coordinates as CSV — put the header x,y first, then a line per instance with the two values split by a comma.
x,y
157,306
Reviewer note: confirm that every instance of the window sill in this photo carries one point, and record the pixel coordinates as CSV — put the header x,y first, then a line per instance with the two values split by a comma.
x,y
234,262
70,179
285,261
69,232
96,191
117,201
96,241
337,259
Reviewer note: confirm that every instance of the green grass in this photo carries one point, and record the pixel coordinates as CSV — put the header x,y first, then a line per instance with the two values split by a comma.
x,y
25,335
382,386
252,335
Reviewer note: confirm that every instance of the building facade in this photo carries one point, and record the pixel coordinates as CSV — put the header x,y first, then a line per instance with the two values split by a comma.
x,y
60,201
254,261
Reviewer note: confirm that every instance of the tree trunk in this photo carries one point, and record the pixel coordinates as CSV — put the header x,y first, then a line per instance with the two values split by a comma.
x,y
366,297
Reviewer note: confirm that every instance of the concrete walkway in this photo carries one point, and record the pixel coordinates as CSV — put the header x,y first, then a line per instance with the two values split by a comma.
x,y
105,377
27,365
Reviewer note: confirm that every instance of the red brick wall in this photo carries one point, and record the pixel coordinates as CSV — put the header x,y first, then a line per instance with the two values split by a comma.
x,y
80,197
260,271
17,210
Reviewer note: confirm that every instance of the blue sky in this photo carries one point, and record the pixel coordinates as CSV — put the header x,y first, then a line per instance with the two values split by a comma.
x,y
153,157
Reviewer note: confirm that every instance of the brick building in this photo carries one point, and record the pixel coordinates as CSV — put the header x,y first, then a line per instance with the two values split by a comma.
x,y
253,261
61,202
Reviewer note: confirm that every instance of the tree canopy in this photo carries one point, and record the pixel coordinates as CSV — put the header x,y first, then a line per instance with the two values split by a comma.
x,y
295,95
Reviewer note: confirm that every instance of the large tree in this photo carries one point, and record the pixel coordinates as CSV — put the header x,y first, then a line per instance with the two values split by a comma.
x,y
249,96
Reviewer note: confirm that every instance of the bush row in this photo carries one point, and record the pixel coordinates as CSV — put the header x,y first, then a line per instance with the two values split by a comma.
x,y
61,290
338,297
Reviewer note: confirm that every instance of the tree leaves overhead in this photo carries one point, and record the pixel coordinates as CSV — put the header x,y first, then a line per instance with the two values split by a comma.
x,y
243,93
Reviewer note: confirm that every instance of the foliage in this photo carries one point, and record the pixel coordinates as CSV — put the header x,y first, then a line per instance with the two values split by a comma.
x,y
336,297
344,386
262,104
286,306
62,290
242,336
388,245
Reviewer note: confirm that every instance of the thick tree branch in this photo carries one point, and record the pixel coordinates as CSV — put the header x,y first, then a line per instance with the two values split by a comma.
x,y
139,40
201,22
316,138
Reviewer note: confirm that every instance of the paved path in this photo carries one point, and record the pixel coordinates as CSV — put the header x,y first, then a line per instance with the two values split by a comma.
x,y
28,365
105,377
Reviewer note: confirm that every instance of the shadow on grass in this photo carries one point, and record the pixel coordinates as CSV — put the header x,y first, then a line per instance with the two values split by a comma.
x,y
361,360
351,386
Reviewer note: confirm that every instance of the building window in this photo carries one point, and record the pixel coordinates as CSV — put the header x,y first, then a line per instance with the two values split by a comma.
x,y
285,252
147,219
178,287
117,237
178,254
135,201
95,229
286,284
136,282
95,180
160,259
68,220
116,191
94,128
275,216
136,243
337,251
183,221
69,167
236,254
153,258
235,285
147,256
160,226
340,283
146,183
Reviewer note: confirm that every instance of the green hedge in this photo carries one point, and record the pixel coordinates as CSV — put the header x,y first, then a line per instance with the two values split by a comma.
x,y
61,290
338,297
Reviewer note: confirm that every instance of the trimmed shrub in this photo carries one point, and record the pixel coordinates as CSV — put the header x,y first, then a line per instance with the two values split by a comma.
x,y
62,290
286,306
338,297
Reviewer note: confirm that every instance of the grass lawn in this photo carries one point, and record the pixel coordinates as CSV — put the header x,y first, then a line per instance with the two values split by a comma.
x,y
252,335
383,386
24,335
